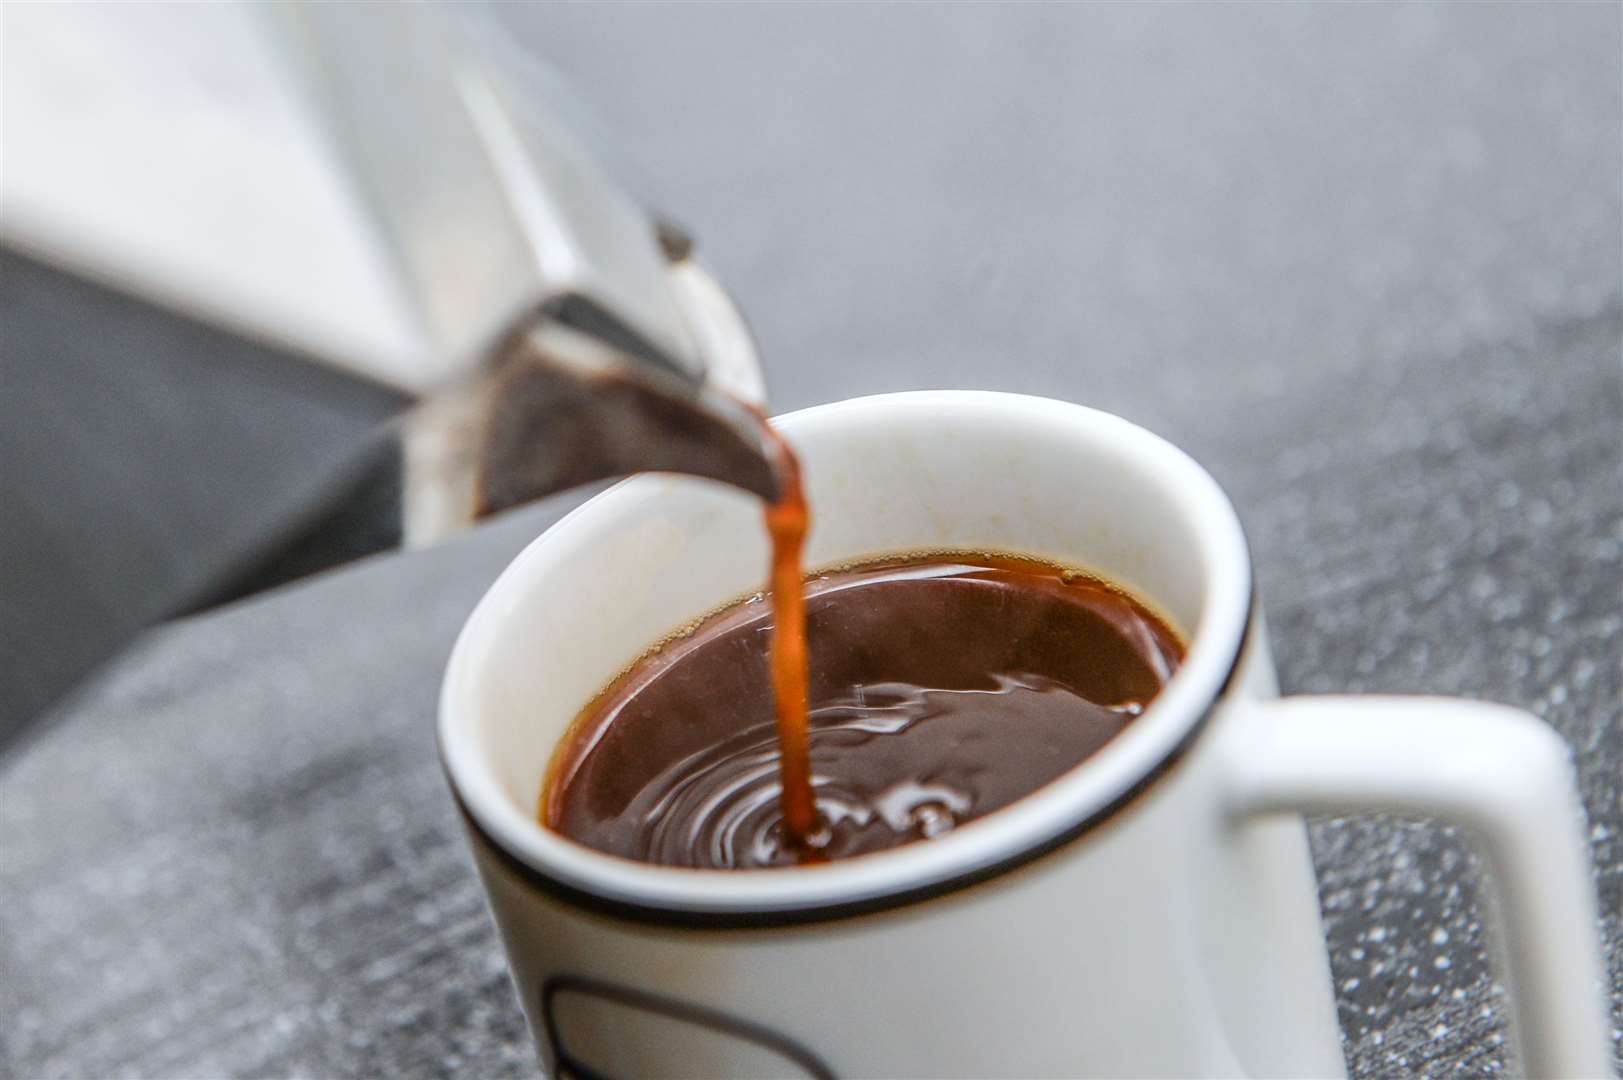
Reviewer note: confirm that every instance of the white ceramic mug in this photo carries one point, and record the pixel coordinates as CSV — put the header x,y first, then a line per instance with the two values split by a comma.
x,y
1151,912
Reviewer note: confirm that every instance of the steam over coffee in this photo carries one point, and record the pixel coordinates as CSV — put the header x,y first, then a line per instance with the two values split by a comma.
x,y
940,688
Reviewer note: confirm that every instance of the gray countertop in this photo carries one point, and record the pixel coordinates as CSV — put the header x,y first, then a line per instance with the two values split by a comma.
x,y
1365,262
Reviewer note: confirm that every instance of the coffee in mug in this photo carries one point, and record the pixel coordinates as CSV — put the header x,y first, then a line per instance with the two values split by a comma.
x,y
941,687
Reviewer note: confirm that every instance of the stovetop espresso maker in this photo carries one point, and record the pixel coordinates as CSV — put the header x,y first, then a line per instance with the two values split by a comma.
x,y
287,284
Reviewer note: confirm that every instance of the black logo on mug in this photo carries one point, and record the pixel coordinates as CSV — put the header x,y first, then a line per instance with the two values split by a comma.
x,y
581,1016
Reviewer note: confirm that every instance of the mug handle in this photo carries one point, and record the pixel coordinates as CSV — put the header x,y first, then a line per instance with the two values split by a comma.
x,y
1499,773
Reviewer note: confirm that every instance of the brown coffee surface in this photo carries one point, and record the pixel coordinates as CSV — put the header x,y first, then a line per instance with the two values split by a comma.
x,y
940,689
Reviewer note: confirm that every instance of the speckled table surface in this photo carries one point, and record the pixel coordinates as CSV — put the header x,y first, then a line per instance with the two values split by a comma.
x,y
1366,262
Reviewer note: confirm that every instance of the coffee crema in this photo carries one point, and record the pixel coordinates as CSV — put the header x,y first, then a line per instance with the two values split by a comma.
x,y
940,688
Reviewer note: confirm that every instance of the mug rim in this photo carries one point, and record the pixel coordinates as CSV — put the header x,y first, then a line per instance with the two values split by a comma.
x,y
1061,811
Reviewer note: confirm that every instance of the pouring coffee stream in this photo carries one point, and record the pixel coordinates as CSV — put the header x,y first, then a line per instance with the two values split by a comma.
x,y
787,520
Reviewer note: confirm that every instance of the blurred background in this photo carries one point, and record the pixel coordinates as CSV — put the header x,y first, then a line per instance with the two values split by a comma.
x,y
1365,262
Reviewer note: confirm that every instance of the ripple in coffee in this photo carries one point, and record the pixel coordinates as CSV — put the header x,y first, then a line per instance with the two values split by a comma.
x,y
939,689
